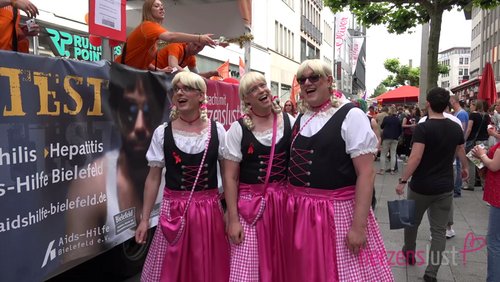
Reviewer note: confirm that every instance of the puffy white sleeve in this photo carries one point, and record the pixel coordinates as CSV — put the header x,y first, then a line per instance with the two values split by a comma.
x,y
233,143
155,154
221,133
358,135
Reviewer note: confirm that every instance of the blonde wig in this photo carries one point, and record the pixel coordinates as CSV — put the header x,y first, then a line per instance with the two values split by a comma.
x,y
194,81
320,68
246,82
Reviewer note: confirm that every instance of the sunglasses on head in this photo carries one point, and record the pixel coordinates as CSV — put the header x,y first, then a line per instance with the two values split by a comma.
x,y
313,78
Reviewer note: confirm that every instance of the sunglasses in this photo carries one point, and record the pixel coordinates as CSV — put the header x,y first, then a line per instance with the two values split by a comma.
x,y
184,89
128,111
313,78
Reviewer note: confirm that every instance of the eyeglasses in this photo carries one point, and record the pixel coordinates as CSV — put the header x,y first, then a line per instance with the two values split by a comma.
x,y
256,88
313,78
184,89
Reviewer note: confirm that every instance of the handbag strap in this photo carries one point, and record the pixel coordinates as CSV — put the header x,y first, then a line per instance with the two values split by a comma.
x,y
201,166
271,156
479,128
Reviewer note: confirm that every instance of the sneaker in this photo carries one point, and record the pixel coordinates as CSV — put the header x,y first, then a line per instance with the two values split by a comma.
x,y
450,233
427,278
409,256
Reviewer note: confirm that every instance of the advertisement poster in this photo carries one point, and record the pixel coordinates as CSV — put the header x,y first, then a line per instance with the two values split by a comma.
x,y
72,157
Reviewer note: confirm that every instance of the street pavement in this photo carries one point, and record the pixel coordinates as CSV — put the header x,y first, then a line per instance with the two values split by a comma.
x,y
466,256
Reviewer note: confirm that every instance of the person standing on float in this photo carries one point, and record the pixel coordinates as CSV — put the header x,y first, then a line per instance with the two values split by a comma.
x,y
330,232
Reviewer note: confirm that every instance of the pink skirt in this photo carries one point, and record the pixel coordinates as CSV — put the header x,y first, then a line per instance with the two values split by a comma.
x,y
202,252
260,257
316,224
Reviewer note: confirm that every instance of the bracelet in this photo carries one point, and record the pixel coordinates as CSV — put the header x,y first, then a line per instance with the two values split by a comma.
x,y
199,35
13,3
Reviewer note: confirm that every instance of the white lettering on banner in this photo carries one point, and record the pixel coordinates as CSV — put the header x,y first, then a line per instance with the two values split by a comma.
x,y
225,116
89,147
62,174
37,216
17,155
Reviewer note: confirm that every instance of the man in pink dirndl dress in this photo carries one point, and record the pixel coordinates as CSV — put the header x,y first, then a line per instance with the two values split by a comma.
x,y
256,155
189,243
330,232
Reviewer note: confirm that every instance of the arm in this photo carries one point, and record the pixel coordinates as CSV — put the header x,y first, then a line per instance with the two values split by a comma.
x,y
29,8
376,129
172,37
492,164
460,153
206,75
363,165
231,180
150,192
417,150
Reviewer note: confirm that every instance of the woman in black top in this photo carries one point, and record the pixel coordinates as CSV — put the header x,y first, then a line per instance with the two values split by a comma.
x,y
476,134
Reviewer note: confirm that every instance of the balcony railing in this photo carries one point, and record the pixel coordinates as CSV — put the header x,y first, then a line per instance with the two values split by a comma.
x,y
311,30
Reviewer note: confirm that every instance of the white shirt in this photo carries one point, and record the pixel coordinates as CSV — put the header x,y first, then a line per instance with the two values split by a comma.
x,y
446,115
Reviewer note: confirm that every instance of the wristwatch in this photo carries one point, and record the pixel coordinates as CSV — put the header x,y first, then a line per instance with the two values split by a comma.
x,y
401,181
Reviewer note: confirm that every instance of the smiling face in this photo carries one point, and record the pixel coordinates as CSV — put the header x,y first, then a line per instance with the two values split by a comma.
x,y
288,107
258,96
186,98
315,88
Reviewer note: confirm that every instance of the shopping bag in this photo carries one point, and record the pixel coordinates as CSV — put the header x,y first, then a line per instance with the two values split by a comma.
x,y
401,213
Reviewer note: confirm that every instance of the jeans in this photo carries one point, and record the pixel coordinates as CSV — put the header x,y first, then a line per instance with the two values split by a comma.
x,y
493,243
438,209
458,177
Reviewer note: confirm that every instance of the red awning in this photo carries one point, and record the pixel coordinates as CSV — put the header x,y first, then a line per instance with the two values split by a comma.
x,y
408,93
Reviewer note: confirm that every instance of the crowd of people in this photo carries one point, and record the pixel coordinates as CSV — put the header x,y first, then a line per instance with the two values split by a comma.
x,y
435,147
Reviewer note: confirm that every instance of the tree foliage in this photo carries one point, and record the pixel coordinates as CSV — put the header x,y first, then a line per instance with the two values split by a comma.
x,y
401,16
405,74
381,89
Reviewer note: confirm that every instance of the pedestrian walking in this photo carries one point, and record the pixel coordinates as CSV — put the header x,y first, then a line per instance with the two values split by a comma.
x,y
430,167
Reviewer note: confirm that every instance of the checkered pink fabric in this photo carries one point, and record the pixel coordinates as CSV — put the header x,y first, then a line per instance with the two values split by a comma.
x,y
153,265
245,256
371,264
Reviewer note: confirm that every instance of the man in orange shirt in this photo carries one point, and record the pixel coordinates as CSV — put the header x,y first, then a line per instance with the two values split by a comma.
x,y
177,56
7,8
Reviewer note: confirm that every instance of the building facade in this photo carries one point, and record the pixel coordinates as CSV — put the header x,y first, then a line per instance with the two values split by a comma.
x,y
485,41
458,61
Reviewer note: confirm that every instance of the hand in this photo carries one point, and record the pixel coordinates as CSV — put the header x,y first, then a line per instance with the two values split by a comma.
x,y
465,173
235,232
206,39
478,151
35,29
356,239
213,73
400,189
29,8
142,231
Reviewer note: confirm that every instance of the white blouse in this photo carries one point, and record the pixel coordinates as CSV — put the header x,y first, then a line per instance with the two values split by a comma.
x,y
235,134
187,142
356,129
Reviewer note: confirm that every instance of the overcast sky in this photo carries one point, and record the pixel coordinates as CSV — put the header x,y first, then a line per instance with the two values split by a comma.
x,y
455,32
